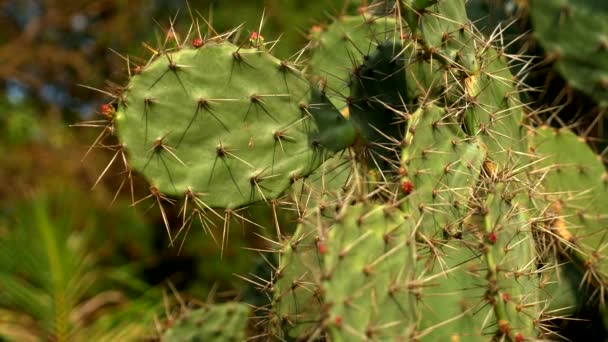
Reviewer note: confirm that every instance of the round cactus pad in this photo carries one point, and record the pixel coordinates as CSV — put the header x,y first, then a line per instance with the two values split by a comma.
x,y
233,125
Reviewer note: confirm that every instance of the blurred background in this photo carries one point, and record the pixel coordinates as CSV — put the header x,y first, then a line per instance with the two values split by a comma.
x,y
83,263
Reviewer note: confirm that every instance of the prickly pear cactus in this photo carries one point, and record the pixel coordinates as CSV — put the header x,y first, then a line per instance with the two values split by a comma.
x,y
341,46
473,228
368,272
219,322
494,255
574,34
440,166
425,215
200,121
574,197
341,276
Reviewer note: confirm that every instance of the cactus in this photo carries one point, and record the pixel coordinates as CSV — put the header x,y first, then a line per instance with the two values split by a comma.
x,y
218,322
574,33
367,257
337,48
440,165
425,215
339,272
575,190
205,103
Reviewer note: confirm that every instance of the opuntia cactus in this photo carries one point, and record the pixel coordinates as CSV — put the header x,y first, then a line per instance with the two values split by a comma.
x,y
574,34
207,104
427,214
337,48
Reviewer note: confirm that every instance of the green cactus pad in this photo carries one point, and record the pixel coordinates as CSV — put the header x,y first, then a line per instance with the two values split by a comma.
x,y
441,164
509,249
425,77
410,10
495,114
325,186
232,124
351,264
447,32
219,322
574,198
482,283
575,34
367,261
343,45
297,300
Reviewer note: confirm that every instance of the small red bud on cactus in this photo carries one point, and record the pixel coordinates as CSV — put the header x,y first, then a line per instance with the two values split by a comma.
x,y
338,321
256,39
492,238
403,36
322,247
137,70
407,187
197,42
519,337
107,110
506,297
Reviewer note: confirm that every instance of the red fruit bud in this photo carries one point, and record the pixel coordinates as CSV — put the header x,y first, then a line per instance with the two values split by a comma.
x,y
107,110
506,297
407,187
519,337
492,238
338,321
322,247
256,40
197,42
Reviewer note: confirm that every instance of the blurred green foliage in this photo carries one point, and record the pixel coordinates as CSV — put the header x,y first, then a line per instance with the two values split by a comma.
x,y
55,277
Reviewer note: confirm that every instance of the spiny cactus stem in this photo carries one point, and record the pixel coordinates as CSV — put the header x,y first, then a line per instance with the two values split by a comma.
x,y
500,309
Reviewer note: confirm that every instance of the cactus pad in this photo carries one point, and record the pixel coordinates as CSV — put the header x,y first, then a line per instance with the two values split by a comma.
x,y
442,165
343,45
200,120
353,264
574,33
575,197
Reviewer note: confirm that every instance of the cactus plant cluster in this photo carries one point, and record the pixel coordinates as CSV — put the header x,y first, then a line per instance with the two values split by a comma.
x,y
431,203
574,33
